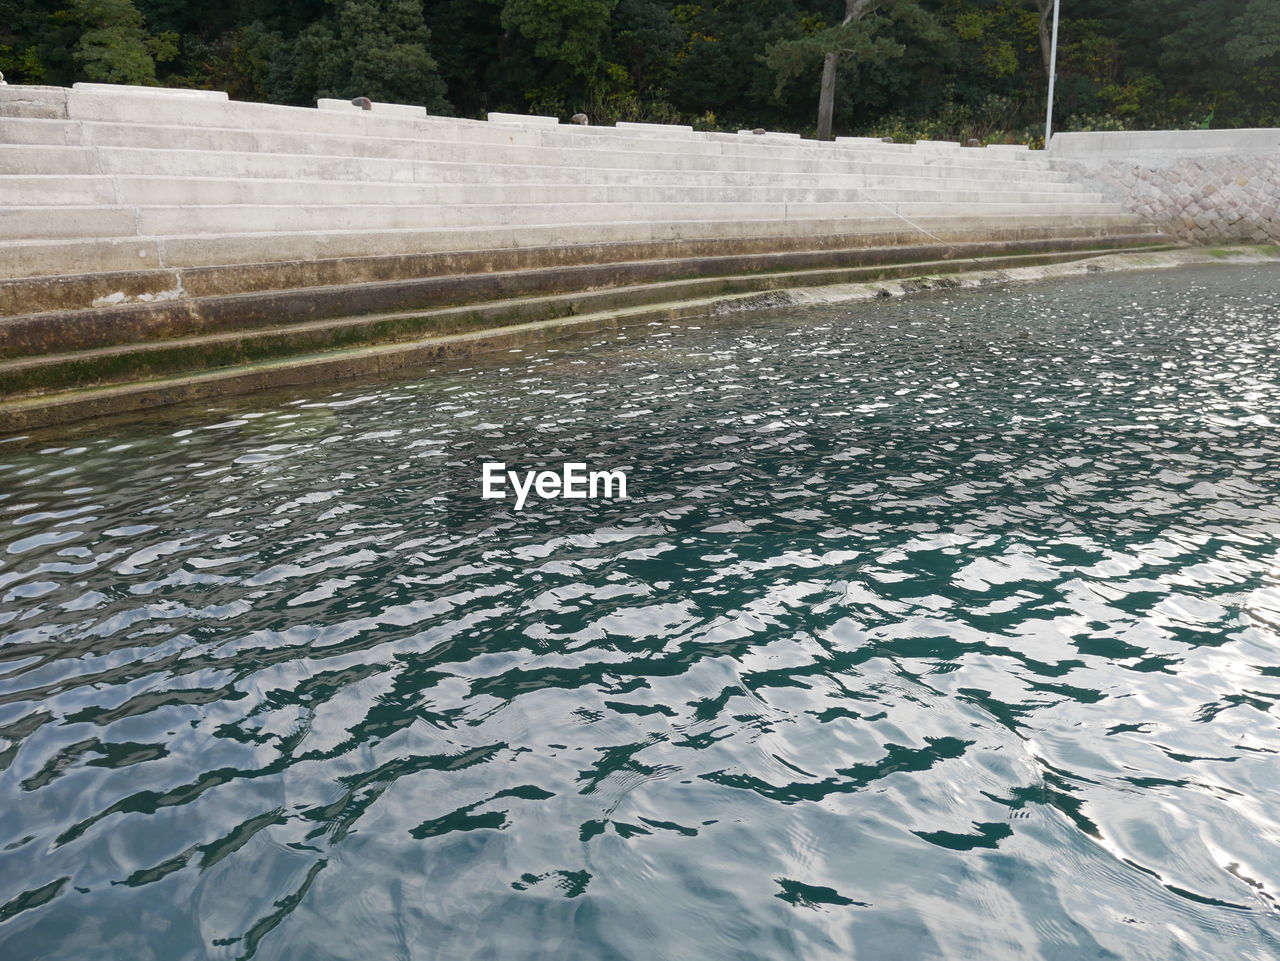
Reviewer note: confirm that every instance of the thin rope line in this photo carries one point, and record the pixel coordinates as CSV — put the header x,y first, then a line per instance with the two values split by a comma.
x,y
905,219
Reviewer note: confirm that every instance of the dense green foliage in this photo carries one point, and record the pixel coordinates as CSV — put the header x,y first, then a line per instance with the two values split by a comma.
x,y
930,68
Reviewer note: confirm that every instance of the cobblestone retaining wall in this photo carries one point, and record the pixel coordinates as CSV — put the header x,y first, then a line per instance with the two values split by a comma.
x,y
1203,187
1202,201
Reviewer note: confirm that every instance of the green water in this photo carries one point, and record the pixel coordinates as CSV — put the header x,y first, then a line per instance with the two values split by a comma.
x,y
946,628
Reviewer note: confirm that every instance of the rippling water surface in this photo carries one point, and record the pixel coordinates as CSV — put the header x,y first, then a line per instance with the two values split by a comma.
x,y
939,628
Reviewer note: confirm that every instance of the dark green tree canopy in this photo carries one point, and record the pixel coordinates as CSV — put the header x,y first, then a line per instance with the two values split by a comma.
x,y
114,46
366,48
950,69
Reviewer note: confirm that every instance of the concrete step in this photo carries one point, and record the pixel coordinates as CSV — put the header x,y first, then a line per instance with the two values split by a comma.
x,y
165,304
42,258
431,166
487,156
147,376
167,221
62,190
117,293
176,354
24,159
98,112
56,189
442,143
24,130
613,189
44,222
41,223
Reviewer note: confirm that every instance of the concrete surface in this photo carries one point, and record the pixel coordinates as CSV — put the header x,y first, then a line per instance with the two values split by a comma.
x,y
1201,186
150,234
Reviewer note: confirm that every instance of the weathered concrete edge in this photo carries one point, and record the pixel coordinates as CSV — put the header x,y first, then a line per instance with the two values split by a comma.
x,y
79,328
1130,144
150,360
1104,263
36,413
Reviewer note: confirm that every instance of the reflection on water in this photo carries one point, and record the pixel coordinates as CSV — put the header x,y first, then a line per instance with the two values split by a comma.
x,y
942,628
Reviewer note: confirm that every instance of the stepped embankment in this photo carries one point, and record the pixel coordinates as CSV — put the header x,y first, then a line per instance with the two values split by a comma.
x,y
151,238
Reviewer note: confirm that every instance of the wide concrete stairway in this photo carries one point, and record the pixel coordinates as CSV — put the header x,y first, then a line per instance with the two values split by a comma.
x,y
158,246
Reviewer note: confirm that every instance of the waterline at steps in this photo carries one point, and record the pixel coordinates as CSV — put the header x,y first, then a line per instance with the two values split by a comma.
x,y
531,323
148,233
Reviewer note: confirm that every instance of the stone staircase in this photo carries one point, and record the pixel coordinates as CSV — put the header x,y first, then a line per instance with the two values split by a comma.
x,y
158,246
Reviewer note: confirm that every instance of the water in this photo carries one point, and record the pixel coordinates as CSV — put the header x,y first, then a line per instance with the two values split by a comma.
x,y
940,628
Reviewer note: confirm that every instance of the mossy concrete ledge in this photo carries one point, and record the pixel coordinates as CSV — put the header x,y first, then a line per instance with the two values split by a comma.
x,y
42,355
334,366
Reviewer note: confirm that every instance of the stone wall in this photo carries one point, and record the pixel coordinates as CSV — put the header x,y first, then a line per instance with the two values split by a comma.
x,y
1201,186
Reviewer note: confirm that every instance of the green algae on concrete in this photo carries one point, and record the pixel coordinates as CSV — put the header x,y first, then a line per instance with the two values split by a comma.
x,y
386,359
156,357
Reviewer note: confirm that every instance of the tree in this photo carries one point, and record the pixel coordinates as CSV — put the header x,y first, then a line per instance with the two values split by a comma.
x,y
568,32
368,49
647,38
115,46
720,65
469,46
854,12
858,36
906,68
1221,56
1045,10
19,60
1257,30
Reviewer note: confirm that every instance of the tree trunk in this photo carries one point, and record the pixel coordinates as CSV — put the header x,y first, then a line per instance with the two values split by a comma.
x,y
827,95
854,10
1046,37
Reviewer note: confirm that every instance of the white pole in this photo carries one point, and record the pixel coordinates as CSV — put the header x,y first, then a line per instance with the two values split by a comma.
x,y
1053,75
